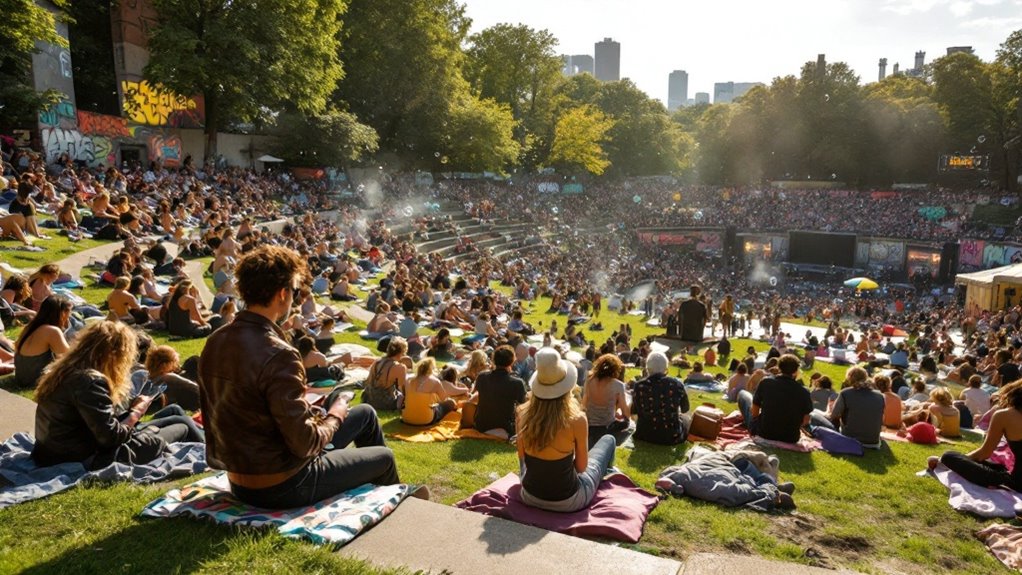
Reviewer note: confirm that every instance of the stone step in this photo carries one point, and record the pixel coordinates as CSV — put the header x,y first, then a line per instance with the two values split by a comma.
x,y
16,414
463,542
728,564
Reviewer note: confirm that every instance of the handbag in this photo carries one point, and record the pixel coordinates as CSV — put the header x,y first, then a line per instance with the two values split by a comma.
x,y
707,421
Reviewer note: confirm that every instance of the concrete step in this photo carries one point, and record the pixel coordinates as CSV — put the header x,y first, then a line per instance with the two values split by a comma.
x,y
727,564
16,414
463,542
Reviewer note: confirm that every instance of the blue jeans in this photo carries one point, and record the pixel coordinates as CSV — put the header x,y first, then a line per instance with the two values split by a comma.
x,y
334,471
819,419
745,406
601,457
172,424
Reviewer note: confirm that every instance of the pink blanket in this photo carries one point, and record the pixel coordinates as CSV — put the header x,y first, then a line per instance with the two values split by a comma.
x,y
618,511
983,501
1005,542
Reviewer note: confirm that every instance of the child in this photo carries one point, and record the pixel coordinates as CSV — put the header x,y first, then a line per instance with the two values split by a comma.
x,y
709,356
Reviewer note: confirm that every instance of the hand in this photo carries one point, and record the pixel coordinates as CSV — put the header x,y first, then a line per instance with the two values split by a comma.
x,y
339,409
141,403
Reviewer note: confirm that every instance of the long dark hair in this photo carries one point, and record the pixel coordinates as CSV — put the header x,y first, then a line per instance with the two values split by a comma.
x,y
49,314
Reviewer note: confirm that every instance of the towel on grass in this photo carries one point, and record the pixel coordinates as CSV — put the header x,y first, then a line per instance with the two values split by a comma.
x,y
333,521
443,430
22,480
618,511
1005,542
967,496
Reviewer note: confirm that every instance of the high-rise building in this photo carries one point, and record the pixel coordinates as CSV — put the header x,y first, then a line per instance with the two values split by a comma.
x,y
920,61
957,49
702,98
724,92
608,60
896,71
677,90
577,64
883,69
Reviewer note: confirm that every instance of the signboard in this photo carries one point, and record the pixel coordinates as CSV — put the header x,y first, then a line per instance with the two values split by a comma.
x,y
963,163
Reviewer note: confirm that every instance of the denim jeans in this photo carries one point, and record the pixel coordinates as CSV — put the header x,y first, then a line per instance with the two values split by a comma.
x,y
334,471
173,425
601,456
745,406
819,419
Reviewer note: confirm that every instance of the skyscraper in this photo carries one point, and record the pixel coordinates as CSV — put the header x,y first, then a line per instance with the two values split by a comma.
x,y
576,64
725,92
702,98
608,60
883,68
677,90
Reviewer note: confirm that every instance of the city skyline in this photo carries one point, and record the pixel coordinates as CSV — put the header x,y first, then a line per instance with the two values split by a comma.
x,y
658,36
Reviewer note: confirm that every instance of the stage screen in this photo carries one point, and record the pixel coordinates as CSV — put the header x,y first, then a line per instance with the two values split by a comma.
x,y
822,249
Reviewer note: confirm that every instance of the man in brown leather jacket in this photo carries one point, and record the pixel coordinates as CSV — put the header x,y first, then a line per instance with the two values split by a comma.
x,y
259,427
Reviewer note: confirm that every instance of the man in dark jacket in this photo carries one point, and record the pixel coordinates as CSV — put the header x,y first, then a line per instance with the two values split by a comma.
x,y
781,405
259,427
499,394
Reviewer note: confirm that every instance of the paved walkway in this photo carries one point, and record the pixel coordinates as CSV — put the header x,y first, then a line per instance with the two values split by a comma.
x,y
16,414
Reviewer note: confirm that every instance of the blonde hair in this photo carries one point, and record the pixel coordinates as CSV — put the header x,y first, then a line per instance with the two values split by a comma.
x,y
539,420
426,367
477,363
941,396
122,282
108,347
856,378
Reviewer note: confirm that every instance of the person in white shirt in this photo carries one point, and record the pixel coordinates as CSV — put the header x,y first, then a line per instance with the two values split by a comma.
x,y
977,400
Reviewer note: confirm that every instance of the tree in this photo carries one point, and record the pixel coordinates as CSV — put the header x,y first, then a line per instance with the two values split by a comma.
x,y
246,58
482,137
518,66
643,140
579,138
22,24
332,138
403,61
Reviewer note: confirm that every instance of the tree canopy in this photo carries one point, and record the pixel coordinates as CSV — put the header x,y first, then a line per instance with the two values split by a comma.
x,y
22,24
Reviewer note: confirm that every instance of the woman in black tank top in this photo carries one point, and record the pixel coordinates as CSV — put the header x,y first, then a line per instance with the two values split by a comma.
x,y
1007,423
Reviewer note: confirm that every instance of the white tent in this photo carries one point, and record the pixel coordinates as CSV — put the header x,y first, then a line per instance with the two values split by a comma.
x,y
268,159
992,289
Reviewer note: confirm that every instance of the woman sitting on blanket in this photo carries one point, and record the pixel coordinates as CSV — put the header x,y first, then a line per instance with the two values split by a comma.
x,y
387,377
78,397
478,362
940,411
42,341
558,472
381,323
427,398
317,366
604,399
1007,424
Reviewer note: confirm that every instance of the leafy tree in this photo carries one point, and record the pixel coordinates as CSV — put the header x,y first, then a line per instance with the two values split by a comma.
x,y
643,140
22,24
332,138
246,58
403,61
480,136
579,138
518,66
906,130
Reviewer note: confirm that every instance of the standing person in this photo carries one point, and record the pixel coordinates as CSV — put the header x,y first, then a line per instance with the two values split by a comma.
x,y
497,394
660,402
558,472
694,316
727,315
781,405
258,425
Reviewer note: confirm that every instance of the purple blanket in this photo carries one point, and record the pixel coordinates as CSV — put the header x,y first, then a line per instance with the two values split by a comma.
x,y
618,511
983,501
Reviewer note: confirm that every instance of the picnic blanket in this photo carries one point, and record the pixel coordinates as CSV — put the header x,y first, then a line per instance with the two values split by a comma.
x,y
618,511
1004,542
733,430
22,480
967,496
711,386
333,521
444,430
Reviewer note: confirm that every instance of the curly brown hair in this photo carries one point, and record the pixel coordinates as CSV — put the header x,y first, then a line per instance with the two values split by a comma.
x,y
607,365
261,274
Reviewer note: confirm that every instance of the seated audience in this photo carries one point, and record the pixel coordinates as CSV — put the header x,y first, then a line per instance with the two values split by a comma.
x,y
427,398
497,394
781,405
660,403
387,375
604,399
41,341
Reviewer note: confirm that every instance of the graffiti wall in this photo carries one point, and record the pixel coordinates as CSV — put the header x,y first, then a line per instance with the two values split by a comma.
x,y
102,125
862,254
92,150
996,255
60,115
887,253
970,254
151,105
707,242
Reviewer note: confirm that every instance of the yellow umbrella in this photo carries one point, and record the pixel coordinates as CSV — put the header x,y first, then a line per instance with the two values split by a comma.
x,y
861,283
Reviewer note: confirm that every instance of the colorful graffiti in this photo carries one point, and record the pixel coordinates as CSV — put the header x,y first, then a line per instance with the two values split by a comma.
x,y
166,150
996,255
92,150
59,115
862,254
154,106
102,125
887,253
970,253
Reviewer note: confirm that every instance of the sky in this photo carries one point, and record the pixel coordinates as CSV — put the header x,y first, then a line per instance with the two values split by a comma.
x,y
756,41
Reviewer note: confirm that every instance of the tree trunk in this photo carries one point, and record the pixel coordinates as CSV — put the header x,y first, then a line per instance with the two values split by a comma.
x,y
212,113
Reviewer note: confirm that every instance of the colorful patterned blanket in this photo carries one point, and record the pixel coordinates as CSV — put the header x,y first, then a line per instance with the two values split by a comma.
x,y
333,521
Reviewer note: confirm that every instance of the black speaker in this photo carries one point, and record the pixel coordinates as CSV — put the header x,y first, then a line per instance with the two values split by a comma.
x,y
948,263
731,247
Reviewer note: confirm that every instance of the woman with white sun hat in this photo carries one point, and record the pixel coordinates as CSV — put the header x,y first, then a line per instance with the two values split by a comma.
x,y
558,472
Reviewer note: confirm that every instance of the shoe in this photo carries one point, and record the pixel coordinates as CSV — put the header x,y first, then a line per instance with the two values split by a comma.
x,y
420,492
784,501
786,487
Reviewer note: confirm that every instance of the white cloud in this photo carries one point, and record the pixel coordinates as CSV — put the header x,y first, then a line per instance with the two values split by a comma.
x,y
906,7
960,9
994,23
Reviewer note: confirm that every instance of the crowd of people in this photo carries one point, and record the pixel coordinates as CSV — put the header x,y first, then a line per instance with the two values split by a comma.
x,y
96,371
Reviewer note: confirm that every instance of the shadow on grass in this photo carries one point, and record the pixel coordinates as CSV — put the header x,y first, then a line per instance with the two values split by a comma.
x,y
150,546
875,461
652,458
476,449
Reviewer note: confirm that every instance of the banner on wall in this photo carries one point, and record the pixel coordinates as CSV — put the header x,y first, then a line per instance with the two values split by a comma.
x,y
970,253
996,255
887,253
862,254
709,243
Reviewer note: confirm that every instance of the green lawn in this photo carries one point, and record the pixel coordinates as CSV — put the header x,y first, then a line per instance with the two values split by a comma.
x,y
870,513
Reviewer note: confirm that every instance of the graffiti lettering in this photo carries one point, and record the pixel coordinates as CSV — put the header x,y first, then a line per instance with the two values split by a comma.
x,y
155,106
102,125
61,114
165,149
93,150
971,253
887,253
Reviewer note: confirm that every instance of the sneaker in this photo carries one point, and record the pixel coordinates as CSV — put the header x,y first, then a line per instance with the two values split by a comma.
x,y
786,487
784,501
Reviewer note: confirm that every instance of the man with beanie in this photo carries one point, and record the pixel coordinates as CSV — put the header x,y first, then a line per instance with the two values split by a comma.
x,y
660,402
